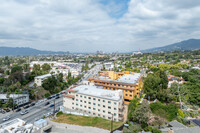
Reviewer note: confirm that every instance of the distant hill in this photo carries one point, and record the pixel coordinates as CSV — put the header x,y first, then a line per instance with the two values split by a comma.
x,y
191,44
15,51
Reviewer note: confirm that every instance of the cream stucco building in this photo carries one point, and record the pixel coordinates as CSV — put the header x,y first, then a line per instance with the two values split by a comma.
x,y
94,101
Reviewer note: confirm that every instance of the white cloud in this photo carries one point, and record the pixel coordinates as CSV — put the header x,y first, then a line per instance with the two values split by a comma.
x,y
87,25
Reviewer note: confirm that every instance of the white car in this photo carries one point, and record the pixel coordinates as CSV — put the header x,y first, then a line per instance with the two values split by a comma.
x,y
24,112
6,118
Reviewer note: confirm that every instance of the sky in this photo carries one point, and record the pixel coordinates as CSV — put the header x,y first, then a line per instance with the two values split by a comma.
x,y
91,25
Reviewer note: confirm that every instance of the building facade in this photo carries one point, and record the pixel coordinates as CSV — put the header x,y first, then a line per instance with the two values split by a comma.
x,y
39,79
94,101
131,84
19,99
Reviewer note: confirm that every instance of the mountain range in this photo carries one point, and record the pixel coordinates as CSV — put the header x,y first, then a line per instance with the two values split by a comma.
x,y
24,51
191,44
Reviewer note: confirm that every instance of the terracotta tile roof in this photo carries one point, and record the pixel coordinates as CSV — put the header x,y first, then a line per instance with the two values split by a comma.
x,y
69,96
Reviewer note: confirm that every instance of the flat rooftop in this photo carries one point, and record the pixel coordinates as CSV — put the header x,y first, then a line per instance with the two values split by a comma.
x,y
127,78
4,96
43,76
97,92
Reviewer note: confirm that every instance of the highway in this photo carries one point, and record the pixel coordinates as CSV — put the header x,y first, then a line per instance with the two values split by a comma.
x,y
35,112
39,110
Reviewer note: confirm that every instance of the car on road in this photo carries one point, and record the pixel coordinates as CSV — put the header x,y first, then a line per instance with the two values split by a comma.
x,y
32,104
51,105
27,106
49,98
24,112
57,97
17,110
6,118
47,103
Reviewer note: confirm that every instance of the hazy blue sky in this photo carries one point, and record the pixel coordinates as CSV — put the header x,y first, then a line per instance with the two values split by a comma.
x,y
91,25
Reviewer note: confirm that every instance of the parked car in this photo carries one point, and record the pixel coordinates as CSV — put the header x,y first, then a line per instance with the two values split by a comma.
x,y
6,118
57,97
19,109
27,106
32,104
47,103
7,110
51,105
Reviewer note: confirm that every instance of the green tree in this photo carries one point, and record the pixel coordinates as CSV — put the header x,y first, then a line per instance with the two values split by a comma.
x,y
46,67
142,113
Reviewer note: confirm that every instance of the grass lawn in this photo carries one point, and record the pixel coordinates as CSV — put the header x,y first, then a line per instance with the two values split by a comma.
x,y
86,121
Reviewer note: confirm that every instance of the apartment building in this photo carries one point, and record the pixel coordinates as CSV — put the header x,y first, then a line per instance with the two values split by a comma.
x,y
112,74
131,84
19,99
39,79
94,101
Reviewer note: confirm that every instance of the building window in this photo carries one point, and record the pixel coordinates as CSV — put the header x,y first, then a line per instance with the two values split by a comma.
x,y
89,107
84,96
77,95
115,119
130,95
94,99
126,95
126,90
76,99
81,96
94,109
76,104
84,101
94,103
85,106
104,106
89,102
130,91
115,109
109,107
99,110
115,103
72,103
109,112
72,107
104,101
99,105
104,111
113,88
109,101
99,115
115,114
94,114
81,105
89,97
80,100
99,100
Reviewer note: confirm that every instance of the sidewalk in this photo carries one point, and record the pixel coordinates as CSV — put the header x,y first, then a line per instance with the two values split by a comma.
x,y
67,128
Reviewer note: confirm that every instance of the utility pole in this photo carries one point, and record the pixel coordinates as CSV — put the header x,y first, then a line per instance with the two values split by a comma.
x,y
111,123
179,97
54,107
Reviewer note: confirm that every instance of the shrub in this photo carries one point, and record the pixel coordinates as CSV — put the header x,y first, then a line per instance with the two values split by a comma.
x,y
166,111
155,130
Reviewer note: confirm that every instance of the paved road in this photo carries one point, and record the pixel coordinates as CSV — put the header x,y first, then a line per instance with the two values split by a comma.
x,y
92,72
39,110
35,112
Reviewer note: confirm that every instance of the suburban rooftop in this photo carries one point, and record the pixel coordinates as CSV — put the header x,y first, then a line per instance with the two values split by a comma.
x,y
43,76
